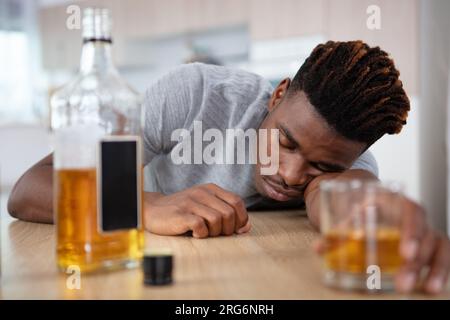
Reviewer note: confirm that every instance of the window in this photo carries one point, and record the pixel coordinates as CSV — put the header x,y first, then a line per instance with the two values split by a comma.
x,y
15,78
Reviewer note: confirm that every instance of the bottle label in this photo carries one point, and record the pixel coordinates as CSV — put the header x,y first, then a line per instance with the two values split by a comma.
x,y
119,183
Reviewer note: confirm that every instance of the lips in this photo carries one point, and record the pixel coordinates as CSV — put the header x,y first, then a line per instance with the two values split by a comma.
x,y
276,192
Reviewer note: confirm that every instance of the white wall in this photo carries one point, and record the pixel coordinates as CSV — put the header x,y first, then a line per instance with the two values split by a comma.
x,y
434,69
398,155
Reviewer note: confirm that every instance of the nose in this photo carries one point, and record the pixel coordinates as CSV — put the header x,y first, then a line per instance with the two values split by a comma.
x,y
294,171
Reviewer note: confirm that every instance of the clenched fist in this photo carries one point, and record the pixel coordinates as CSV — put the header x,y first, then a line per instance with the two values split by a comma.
x,y
206,210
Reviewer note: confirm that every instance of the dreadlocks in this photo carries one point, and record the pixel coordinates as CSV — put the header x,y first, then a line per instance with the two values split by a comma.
x,y
356,89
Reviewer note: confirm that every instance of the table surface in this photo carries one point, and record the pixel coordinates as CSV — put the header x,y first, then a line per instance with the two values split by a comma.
x,y
274,261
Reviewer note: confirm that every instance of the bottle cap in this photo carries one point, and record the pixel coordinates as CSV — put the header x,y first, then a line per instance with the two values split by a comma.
x,y
158,264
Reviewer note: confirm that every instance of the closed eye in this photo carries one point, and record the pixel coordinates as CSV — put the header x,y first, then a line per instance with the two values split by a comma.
x,y
286,143
289,147
326,167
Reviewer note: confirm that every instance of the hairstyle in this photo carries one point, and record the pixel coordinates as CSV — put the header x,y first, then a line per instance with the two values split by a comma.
x,y
355,88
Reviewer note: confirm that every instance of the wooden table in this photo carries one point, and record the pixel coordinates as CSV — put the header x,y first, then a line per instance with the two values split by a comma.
x,y
274,261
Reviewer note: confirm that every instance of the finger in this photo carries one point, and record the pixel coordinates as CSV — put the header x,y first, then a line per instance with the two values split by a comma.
x,y
413,229
406,279
408,275
234,201
212,217
246,228
197,225
227,212
228,222
319,246
440,265
427,249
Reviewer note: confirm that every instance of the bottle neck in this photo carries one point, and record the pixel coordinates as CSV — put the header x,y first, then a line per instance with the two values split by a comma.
x,y
96,57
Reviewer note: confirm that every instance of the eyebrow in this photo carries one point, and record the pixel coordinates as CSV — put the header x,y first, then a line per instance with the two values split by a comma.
x,y
330,166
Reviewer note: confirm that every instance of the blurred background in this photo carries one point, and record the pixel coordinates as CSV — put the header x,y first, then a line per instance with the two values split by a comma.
x,y
38,53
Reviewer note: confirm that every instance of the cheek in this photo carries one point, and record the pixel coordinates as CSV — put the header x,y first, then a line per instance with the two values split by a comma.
x,y
291,163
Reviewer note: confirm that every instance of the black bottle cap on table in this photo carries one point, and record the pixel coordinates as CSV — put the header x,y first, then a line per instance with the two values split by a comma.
x,y
158,265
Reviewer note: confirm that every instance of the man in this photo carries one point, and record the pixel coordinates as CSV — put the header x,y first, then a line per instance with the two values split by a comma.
x,y
345,97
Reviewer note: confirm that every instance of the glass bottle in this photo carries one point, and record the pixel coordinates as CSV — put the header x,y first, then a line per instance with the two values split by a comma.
x,y
96,121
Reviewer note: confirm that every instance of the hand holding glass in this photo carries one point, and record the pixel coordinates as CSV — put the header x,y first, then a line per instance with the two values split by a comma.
x,y
360,223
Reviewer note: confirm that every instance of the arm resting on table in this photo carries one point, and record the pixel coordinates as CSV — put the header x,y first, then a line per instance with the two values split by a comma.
x,y
31,197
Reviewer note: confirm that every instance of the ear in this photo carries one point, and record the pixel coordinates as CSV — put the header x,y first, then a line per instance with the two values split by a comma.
x,y
279,93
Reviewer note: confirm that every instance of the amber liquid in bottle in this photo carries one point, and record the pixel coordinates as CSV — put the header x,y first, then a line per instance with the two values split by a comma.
x,y
352,251
80,241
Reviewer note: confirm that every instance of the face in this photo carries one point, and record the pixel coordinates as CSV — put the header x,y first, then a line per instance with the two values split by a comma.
x,y
308,146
